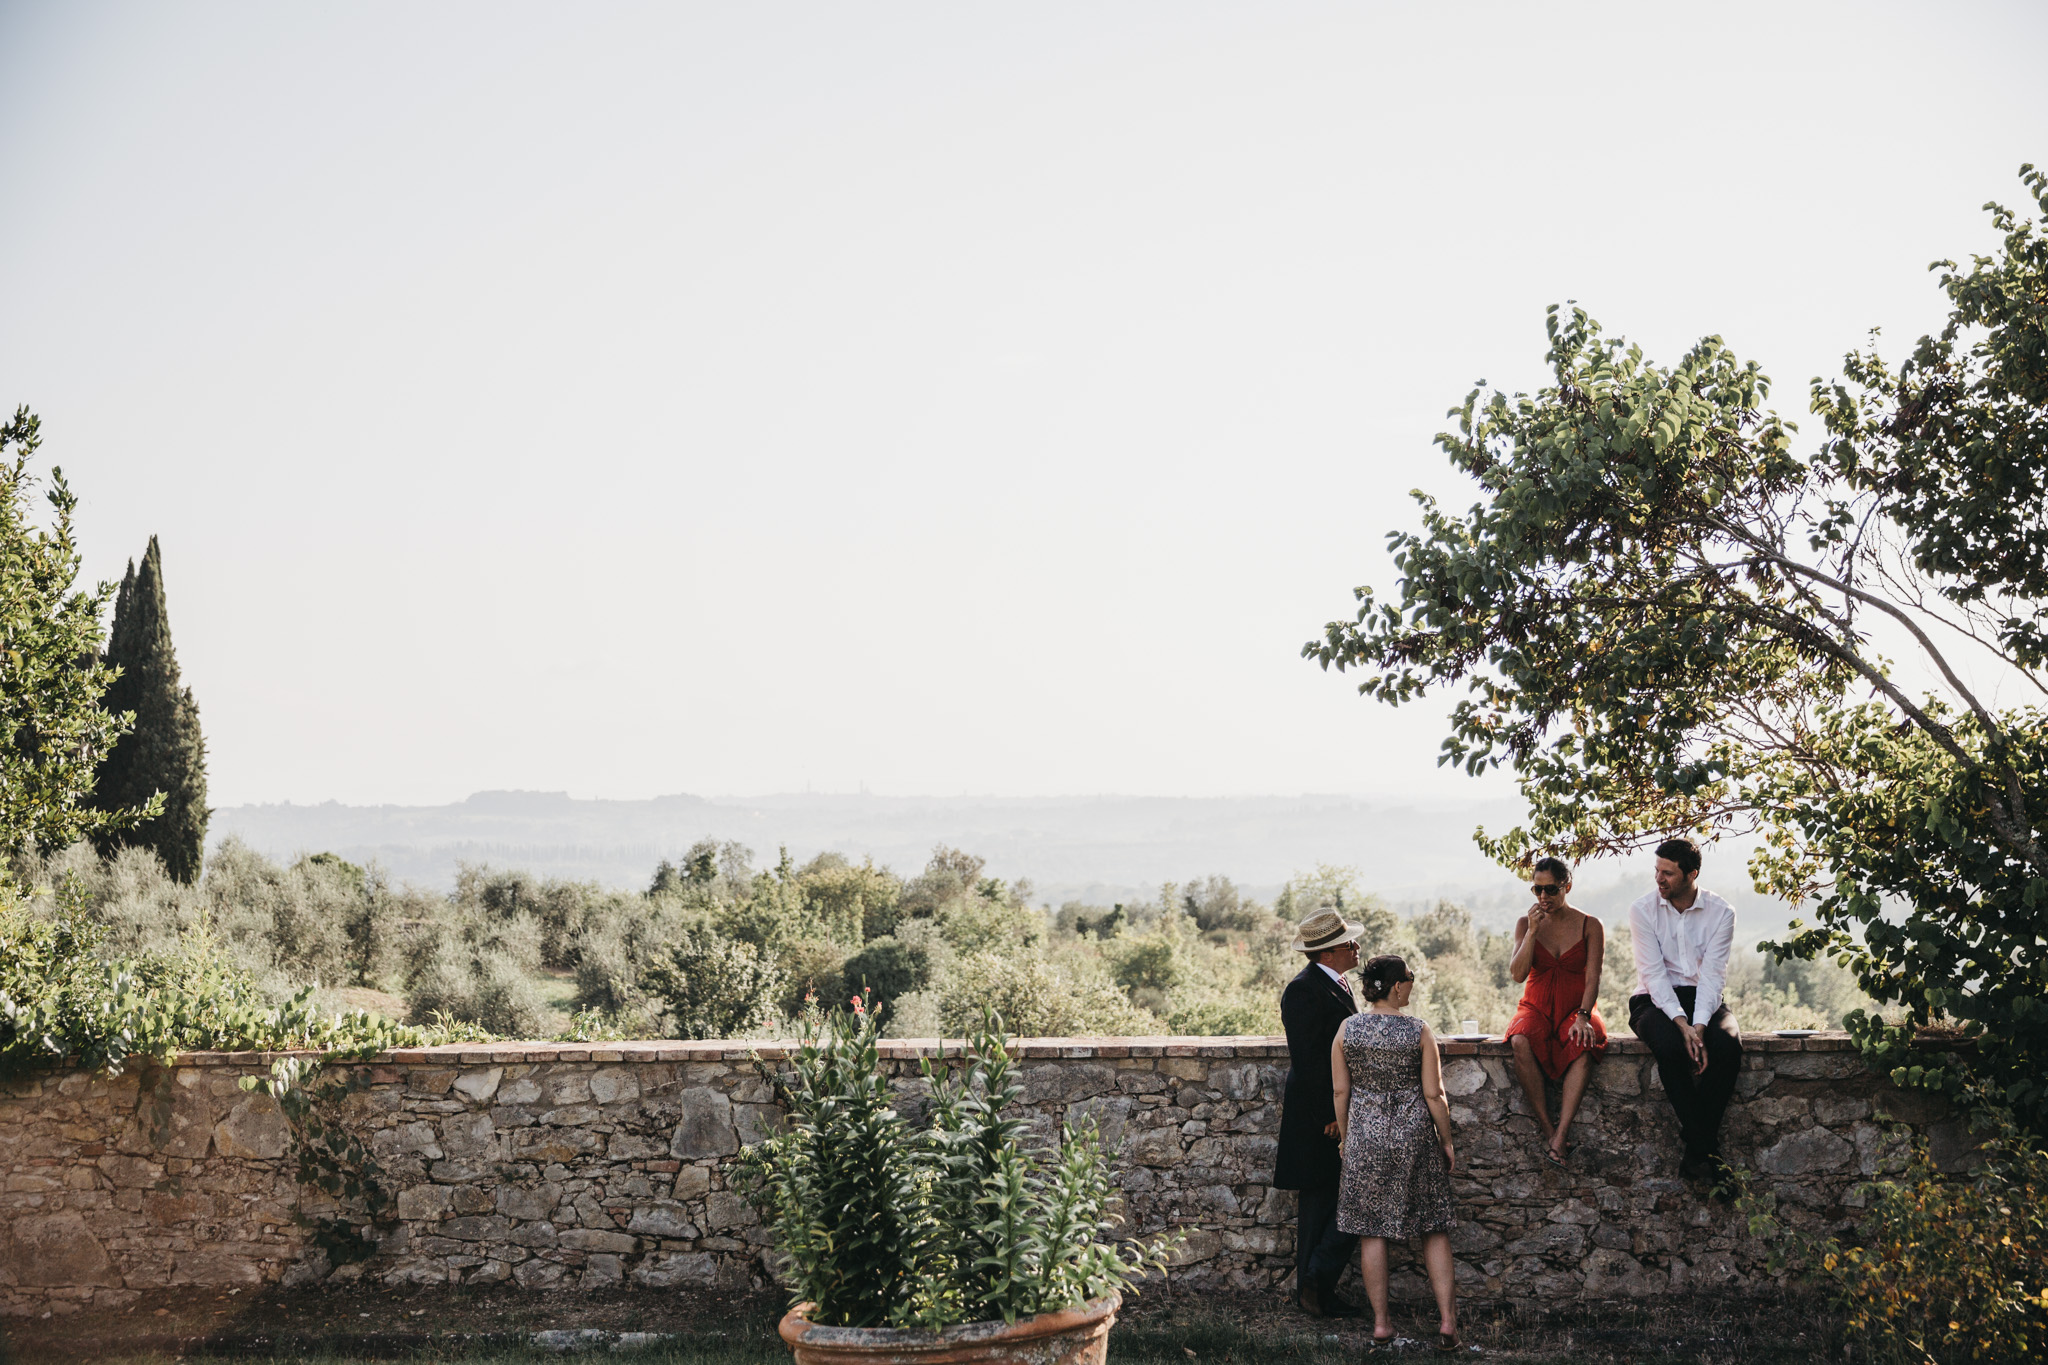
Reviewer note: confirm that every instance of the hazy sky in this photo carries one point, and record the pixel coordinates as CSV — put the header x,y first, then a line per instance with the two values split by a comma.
x,y
638,399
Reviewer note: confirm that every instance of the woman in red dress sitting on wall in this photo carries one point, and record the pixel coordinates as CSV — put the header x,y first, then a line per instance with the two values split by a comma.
x,y
1556,1031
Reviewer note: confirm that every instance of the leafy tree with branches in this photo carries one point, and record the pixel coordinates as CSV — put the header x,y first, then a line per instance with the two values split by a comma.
x,y
53,728
1667,619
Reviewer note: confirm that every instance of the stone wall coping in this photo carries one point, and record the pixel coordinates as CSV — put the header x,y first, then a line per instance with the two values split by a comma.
x,y
511,1053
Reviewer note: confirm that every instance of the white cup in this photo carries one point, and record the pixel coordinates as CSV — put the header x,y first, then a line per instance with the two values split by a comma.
x,y
1468,1026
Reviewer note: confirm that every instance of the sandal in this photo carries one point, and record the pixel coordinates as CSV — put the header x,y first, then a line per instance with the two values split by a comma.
x,y
1554,1159
1448,1342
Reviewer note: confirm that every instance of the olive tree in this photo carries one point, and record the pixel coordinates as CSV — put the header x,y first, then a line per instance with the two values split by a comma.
x,y
1666,618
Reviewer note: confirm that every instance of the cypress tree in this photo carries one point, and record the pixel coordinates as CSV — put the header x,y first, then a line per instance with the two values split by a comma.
x,y
165,751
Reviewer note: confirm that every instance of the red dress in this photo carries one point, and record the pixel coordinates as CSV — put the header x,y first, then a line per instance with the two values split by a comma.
x,y
1550,998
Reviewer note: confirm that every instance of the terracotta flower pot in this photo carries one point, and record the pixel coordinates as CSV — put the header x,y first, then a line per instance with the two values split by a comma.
x,y
1080,1337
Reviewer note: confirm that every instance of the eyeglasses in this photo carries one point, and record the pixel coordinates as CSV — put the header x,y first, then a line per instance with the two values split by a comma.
x,y
1546,888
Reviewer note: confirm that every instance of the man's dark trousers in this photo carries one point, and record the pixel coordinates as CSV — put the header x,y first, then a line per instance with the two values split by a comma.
x,y
1320,1251
1308,1160
1699,1100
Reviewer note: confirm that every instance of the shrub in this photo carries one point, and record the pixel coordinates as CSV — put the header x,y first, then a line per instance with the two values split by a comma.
x,y
712,987
1946,1266
1214,1020
848,903
881,1226
613,949
1219,911
1148,964
1039,998
809,971
62,1003
887,969
323,918
490,989
563,910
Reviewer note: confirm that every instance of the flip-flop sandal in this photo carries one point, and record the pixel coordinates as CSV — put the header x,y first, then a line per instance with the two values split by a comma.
x,y
1554,1159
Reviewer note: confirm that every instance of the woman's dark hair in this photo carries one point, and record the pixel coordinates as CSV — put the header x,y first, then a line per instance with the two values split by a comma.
x,y
1381,975
1684,852
1556,867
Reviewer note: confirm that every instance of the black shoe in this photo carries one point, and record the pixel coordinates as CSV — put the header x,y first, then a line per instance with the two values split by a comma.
x,y
1311,1302
1334,1307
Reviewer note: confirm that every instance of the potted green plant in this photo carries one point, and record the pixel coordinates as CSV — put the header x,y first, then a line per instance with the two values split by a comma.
x,y
957,1241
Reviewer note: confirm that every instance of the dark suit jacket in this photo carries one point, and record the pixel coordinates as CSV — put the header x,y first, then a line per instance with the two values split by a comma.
x,y
1312,1009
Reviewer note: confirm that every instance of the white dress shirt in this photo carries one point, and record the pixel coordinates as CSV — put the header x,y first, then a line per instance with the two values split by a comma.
x,y
1682,948
1336,976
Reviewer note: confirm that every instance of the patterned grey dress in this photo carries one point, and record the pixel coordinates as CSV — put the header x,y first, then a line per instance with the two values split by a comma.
x,y
1396,1182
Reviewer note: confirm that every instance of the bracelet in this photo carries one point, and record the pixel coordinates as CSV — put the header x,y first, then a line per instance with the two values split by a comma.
x,y
1583,1014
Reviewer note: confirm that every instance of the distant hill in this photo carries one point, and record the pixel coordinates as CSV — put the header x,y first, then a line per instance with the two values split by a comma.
x,y
1086,847
1093,848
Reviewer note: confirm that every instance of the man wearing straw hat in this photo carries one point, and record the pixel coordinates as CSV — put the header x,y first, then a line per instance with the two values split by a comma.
x,y
1313,1007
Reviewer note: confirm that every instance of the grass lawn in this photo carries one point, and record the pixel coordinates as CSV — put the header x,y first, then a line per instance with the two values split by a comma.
x,y
1157,1329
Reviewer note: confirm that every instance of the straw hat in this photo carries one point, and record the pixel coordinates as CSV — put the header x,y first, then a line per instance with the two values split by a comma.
x,y
1323,930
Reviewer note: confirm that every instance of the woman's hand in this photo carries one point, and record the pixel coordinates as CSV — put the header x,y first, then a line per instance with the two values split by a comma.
x,y
1450,1156
1581,1031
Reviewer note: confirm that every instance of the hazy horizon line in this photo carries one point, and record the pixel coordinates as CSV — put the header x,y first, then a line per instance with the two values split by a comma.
x,y
1363,794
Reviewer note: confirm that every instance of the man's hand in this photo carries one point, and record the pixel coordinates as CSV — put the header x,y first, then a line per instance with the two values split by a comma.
x,y
1695,1044
1331,1129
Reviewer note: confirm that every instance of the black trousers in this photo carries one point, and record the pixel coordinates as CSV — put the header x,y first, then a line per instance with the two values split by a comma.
x,y
1699,1100
1320,1250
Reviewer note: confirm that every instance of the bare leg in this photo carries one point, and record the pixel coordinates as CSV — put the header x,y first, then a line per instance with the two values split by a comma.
x,y
1531,1077
1575,1077
1372,1267
1436,1254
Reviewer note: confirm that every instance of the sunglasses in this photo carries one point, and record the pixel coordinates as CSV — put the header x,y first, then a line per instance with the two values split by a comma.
x,y
1546,888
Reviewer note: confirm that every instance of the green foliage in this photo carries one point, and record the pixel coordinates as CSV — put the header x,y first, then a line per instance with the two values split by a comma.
x,y
477,959
1215,1020
843,1188
713,988
1663,620
64,1004
1220,912
53,727
321,919
848,904
354,1202
887,968
1336,888
1148,964
880,1225
1944,1266
1042,998
1024,1231
165,751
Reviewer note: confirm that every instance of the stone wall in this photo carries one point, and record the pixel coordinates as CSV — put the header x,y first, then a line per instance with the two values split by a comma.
x,y
592,1166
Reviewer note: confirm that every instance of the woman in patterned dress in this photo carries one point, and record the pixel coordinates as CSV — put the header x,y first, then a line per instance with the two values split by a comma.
x,y
1556,1031
1396,1128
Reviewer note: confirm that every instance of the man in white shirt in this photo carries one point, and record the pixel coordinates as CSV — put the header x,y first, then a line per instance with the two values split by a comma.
x,y
1682,937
